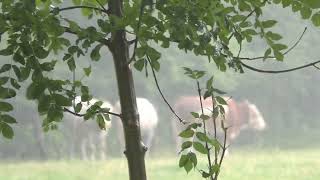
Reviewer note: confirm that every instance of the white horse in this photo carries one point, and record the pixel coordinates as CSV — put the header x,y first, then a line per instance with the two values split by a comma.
x,y
86,135
239,116
148,121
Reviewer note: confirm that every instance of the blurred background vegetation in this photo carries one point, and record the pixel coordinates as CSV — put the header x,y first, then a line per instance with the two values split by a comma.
x,y
289,102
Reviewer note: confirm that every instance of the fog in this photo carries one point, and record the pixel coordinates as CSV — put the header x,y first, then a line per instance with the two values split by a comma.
x,y
288,102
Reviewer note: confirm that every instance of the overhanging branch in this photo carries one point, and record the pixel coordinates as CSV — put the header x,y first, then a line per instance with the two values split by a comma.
x,y
286,52
164,99
81,115
279,71
57,9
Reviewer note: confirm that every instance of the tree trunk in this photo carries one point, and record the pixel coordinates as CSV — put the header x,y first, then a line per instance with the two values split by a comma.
x,y
135,150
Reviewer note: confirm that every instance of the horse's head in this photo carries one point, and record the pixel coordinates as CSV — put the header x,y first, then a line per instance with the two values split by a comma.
x,y
255,118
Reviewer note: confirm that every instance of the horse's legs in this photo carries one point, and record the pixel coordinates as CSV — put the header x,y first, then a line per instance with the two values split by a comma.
x,y
102,145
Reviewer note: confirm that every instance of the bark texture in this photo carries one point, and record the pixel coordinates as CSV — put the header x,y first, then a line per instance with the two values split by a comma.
x,y
135,150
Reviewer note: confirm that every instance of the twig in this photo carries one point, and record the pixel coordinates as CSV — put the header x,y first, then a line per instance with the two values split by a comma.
x,y
100,4
316,67
204,129
215,131
286,52
224,148
137,32
79,7
81,115
279,71
159,90
102,40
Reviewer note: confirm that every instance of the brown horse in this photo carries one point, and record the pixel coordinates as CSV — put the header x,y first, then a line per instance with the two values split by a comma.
x,y
238,116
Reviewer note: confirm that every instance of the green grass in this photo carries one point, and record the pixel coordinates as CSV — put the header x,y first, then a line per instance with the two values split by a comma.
x,y
241,164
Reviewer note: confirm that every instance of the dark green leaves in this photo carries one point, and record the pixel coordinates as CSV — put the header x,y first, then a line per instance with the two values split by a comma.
x,y
7,119
7,93
5,107
188,161
6,130
139,64
95,53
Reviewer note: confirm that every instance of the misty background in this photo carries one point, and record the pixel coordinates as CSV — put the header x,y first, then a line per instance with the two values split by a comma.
x,y
289,102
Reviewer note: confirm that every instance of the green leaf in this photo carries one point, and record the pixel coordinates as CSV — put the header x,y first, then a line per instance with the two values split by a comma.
x,y
183,160
7,93
186,145
139,64
7,119
78,107
202,137
7,131
267,53
193,158
200,147
15,83
215,143
48,66
279,47
18,58
25,73
61,100
204,117
95,53
87,71
188,166
187,133
195,115
305,12
221,100
5,67
278,55
71,64
209,83
286,3
35,90
101,122
316,19
269,23
5,107
214,169
153,54
40,52
3,80
273,36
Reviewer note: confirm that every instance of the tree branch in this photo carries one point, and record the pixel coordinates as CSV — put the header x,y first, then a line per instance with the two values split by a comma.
x,y
204,129
80,7
164,99
102,41
81,115
286,52
279,71
101,5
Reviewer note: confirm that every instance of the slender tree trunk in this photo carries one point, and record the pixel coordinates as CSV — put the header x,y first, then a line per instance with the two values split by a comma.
x,y
135,151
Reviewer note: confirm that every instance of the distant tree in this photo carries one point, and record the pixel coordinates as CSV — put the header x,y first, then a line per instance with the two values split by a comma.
x,y
133,31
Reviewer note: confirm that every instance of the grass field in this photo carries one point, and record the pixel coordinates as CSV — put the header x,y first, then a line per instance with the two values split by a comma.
x,y
241,165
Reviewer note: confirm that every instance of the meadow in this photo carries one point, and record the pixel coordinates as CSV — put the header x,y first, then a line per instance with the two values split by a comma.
x,y
244,164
